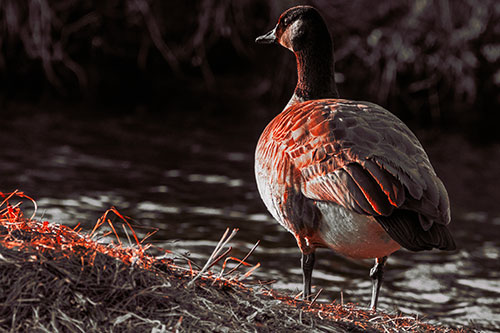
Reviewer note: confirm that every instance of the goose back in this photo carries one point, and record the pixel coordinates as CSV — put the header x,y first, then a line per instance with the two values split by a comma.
x,y
356,155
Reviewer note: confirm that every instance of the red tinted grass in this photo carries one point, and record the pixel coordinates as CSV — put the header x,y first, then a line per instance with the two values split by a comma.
x,y
27,234
39,237
64,241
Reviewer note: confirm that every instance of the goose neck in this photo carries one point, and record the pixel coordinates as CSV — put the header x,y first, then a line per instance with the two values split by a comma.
x,y
315,69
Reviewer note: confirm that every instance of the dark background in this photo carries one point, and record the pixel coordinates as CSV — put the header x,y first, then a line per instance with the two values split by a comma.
x,y
433,63
155,107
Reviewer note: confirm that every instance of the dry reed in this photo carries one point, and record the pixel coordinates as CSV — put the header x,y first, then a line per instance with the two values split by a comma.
x,y
58,279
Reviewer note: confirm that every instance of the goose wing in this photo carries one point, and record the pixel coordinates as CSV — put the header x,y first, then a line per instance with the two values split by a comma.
x,y
360,156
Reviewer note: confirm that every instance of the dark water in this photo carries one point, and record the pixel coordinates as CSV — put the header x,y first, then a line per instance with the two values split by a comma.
x,y
191,176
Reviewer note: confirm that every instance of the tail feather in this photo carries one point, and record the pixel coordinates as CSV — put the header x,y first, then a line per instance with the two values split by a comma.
x,y
403,226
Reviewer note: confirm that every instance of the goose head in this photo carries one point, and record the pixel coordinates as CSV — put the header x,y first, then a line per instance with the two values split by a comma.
x,y
298,29
303,31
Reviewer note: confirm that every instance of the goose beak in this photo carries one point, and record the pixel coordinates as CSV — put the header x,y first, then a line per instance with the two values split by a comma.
x,y
268,38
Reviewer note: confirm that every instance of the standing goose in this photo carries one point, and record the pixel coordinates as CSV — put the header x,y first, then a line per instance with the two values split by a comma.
x,y
342,174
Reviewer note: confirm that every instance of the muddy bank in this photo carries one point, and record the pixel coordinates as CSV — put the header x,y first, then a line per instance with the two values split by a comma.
x,y
55,278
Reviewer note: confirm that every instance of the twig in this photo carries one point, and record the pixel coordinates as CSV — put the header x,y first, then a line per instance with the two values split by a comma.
x,y
242,260
216,260
250,271
315,297
215,254
126,234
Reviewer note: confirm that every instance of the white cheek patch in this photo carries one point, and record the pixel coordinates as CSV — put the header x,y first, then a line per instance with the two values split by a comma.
x,y
292,30
285,39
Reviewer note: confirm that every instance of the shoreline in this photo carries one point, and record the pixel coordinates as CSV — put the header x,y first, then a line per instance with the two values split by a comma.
x,y
63,279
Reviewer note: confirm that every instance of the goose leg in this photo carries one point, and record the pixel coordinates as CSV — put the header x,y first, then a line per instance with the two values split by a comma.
x,y
307,268
377,274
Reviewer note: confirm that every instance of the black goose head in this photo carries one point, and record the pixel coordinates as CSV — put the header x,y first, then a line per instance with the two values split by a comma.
x,y
298,29
302,30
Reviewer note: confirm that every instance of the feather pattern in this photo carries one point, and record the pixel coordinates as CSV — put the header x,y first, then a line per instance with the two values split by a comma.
x,y
356,155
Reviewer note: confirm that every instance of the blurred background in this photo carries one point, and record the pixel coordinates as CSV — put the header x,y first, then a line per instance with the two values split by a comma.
x,y
434,63
155,107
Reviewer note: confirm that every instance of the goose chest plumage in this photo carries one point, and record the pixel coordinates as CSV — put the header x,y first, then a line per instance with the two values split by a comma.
x,y
342,174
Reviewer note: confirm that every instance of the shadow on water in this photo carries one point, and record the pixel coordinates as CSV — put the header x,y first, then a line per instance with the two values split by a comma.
x,y
191,177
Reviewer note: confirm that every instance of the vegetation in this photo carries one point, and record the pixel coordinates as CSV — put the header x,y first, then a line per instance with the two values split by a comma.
x,y
55,278
433,62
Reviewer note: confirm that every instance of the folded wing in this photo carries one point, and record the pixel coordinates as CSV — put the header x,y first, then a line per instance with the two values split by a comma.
x,y
360,156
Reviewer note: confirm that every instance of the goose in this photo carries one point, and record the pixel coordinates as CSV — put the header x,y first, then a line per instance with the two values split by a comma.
x,y
342,174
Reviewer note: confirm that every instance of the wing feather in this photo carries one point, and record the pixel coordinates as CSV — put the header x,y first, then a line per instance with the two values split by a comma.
x,y
392,188
413,188
403,226
372,191
356,191
338,187
360,156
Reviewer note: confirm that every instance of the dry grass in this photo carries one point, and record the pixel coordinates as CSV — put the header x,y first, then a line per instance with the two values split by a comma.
x,y
58,279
